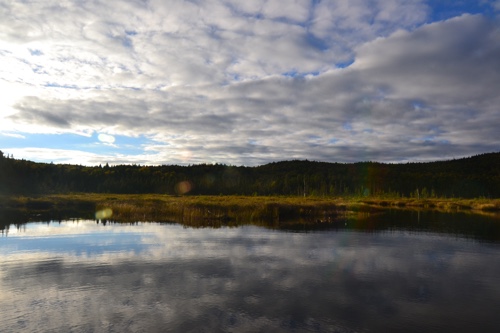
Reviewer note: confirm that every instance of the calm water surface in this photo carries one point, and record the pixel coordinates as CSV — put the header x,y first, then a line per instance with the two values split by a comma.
x,y
83,276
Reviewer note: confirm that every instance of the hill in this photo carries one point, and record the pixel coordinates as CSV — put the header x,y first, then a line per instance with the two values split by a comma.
x,y
476,176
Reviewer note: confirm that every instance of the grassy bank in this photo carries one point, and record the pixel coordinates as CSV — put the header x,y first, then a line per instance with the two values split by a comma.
x,y
476,205
126,207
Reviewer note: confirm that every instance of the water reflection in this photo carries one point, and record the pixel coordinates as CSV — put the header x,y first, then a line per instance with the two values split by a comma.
x,y
460,224
82,276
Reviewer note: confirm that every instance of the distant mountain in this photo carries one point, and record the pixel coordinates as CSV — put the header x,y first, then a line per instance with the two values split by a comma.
x,y
476,176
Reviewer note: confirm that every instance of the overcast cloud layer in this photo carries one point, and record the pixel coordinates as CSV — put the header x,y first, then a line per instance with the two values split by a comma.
x,y
249,82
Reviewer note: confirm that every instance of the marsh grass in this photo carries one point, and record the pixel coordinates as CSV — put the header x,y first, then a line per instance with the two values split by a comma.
x,y
222,210
234,210
448,204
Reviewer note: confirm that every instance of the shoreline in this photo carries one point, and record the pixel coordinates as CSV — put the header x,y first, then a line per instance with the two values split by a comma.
x,y
169,202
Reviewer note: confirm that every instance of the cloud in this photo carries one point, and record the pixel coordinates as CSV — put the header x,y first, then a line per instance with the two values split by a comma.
x,y
102,44
496,5
81,273
250,83
13,135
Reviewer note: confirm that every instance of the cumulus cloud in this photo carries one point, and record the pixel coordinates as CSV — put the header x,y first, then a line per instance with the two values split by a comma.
x,y
250,83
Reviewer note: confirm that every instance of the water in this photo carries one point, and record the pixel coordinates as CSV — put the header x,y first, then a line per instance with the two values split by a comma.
x,y
400,272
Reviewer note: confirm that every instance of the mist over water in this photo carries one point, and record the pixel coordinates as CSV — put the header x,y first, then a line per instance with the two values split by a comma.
x,y
83,276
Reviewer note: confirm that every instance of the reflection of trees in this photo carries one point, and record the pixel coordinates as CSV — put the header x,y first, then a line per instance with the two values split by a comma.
x,y
4,229
263,281
18,218
298,219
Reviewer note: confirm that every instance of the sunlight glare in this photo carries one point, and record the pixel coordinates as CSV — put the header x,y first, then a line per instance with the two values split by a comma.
x,y
106,138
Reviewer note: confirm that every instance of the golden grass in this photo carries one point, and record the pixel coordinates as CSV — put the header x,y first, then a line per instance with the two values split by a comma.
x,y
233,209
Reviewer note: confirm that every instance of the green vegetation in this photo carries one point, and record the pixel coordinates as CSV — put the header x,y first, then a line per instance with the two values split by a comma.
x,y
228,210
477,218
473,177
283,192
153,207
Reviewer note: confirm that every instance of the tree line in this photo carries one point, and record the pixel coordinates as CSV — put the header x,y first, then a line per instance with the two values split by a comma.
x,y
476,176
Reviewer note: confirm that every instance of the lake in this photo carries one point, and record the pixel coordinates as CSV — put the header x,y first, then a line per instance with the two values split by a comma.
x,y
400,271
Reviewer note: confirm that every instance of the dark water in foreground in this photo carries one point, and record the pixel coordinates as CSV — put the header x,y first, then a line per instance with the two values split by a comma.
x,y
411,276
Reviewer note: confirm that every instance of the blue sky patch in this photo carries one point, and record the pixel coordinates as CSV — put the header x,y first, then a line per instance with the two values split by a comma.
x,y
35,52
347,126
446,9
316,42
296,74
333,141
65,86
122,144
345,64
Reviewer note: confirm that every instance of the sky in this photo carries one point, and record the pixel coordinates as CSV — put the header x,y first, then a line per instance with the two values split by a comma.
x,y
155,82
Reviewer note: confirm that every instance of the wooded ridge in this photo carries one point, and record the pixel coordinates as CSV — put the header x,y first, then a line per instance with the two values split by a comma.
x,y
471,177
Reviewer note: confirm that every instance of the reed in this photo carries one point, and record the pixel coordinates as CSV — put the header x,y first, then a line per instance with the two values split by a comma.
x,y
236,209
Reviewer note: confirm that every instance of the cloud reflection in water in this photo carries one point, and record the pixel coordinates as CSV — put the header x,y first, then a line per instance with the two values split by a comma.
x,y
152,277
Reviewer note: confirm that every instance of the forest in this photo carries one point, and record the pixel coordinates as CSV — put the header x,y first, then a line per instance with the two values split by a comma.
x,y
472,177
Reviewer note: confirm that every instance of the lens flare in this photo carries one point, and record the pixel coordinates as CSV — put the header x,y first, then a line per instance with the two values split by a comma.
x,y
183,187
104,214
106,138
